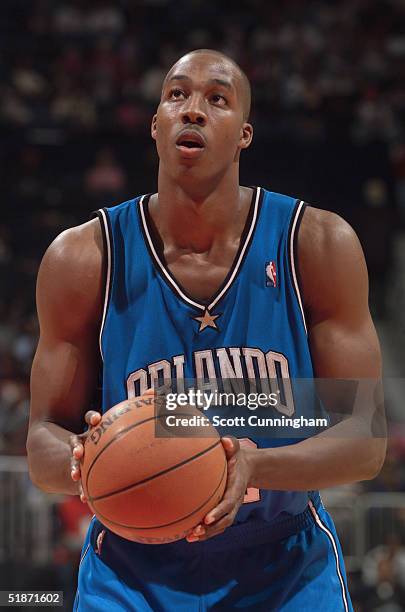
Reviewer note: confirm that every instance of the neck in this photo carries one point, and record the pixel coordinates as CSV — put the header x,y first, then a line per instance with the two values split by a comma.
x,y
193,216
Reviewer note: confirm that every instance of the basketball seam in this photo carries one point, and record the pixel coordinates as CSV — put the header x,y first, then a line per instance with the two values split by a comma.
x,y
167,470
123,432
119,435
177,520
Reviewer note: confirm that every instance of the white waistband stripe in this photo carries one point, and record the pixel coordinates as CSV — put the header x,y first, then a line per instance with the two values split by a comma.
x,y
335,550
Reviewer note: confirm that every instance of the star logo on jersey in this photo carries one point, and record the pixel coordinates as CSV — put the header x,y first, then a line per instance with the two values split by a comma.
x,y
271,274
207,320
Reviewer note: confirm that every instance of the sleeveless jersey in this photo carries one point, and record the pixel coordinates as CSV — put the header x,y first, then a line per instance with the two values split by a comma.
x,y
254,326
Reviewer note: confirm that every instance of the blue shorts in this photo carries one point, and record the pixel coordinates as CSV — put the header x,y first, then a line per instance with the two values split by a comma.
x,y
250,567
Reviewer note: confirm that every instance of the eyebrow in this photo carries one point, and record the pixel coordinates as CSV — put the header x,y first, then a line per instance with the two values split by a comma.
x,y
184,77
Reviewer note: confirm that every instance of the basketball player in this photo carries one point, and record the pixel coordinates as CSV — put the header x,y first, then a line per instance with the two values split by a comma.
x,y
207,275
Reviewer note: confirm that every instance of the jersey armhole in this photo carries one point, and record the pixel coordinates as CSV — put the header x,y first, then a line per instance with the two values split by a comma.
x,y
107,264
293,253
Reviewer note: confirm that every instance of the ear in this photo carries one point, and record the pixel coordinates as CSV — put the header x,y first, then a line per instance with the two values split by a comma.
x,y
246,135
153,127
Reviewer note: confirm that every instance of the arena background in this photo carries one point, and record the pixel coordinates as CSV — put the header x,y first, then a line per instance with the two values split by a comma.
x,y
79,81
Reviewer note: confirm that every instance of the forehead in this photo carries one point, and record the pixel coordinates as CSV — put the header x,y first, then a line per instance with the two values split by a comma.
x,y
204,67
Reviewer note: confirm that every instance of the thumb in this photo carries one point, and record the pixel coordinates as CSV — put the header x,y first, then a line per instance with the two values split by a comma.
x,y
231,446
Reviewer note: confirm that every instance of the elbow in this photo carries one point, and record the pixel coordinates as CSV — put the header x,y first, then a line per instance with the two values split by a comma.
x,y
377,459
33,469
35,477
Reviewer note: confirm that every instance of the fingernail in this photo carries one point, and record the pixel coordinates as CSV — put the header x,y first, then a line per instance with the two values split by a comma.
x,y
209,520
199,531
192,538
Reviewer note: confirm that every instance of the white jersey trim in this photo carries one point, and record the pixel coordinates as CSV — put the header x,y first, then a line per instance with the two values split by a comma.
x,y
84,554
157,259
236,266
335,551
103,217
242,253
292,260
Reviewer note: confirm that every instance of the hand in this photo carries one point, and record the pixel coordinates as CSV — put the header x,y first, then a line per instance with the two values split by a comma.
x,y
76,442
239,475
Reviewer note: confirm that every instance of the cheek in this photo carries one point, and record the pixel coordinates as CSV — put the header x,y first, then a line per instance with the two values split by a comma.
x,y
227,128
167,115
230,137
161,136
164,129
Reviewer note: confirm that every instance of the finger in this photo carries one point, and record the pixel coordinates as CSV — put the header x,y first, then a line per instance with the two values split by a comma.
x,y
75,474
220,526
199,530
74,440
210,535
92,418
231,446
211,532
83,497
77,455
195,533
75,469
192,538
78,451
223,508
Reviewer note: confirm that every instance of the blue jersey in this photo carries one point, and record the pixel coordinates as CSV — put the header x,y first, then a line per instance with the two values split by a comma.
x,y
254,325
281,553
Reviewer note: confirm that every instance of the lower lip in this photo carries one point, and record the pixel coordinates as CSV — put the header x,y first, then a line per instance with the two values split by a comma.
x,y
188,153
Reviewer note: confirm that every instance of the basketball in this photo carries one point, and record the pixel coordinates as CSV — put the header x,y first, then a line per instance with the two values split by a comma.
x,y
147,488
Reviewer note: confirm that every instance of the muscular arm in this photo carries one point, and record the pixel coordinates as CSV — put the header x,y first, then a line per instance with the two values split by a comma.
x,y
343,345
65,367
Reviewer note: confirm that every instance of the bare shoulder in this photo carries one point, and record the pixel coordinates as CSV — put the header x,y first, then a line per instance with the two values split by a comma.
x,y
323,230
330,259
76,250
71,275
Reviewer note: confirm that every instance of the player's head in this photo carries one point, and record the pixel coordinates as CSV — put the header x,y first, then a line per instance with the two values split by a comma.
x,y
201,123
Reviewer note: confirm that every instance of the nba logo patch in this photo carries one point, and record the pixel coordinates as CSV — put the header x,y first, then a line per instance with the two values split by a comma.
x,y
271,274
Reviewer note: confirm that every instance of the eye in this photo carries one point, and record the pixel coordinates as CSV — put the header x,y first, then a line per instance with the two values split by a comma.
x,y
176,94
219,99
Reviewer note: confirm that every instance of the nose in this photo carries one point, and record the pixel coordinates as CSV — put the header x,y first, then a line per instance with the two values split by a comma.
x,y
193,113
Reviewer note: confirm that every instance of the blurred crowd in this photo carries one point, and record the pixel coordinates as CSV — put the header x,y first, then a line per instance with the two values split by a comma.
x,y
79,82
313,65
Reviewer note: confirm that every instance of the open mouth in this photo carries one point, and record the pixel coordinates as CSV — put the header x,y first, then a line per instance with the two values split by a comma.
x,y
190,140
190,144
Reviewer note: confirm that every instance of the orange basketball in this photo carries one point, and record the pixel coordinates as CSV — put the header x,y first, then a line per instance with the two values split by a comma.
x,y
147,488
